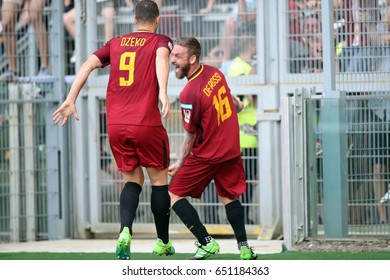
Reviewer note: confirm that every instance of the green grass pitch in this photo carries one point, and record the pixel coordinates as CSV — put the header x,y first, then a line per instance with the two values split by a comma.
x,y
290,255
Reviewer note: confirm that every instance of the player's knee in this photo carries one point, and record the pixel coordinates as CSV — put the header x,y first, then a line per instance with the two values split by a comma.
x,y
174,198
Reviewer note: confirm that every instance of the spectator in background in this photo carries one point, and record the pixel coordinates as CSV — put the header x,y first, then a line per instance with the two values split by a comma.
x,y
360,27
298,52
10,10
197,10
312,38
214,57
305,42
171,22
108,12
310,5
242,20
306,53
382,35
342,21
295,19
69,18
244,62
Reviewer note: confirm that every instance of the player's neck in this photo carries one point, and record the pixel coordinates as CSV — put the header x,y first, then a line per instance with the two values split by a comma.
x,y
193,70
146,28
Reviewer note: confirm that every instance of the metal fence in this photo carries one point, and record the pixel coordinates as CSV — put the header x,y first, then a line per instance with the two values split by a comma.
x,y
178,18
365,195
34,197
25,169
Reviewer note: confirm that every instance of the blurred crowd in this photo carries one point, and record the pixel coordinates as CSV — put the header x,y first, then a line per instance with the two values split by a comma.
x,y
360,26
217,24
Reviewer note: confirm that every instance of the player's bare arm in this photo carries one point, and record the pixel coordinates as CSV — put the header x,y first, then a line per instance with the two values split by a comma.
x,y
238,103
68,108
162,72
186,147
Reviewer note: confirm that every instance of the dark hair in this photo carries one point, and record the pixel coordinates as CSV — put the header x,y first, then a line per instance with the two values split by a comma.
x,y
192,44
146,11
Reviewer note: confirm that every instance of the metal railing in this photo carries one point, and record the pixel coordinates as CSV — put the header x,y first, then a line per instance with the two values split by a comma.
x,y
365,168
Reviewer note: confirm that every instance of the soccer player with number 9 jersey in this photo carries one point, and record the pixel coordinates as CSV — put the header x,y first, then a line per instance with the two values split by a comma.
x,y
139,68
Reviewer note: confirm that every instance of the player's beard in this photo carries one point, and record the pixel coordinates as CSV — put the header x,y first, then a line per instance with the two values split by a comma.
x,y
183,71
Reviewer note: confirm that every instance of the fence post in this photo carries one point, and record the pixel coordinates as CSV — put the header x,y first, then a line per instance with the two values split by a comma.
x,y
335,167
289,225
28,124
333,137
14,162
298,178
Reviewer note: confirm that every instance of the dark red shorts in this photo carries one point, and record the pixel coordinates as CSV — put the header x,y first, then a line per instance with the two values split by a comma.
x,y
134,145
194,176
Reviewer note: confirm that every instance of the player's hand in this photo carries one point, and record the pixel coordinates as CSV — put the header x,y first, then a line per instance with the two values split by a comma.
x,y
67,109
173,169
166,108
238,103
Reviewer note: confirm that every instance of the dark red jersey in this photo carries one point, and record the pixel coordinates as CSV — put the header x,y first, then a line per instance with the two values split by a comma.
x,y
208,109
132,90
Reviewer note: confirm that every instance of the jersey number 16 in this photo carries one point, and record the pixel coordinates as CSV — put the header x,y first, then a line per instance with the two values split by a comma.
x,y
222,105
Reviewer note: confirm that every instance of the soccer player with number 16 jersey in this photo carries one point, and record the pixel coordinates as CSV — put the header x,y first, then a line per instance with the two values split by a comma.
x,y
210,149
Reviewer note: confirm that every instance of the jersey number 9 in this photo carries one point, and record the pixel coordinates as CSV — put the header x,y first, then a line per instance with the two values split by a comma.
x,y
127,64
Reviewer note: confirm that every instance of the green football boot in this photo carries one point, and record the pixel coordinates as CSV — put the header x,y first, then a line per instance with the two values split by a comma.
x,y
247,253
205,251
123,246
160,248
